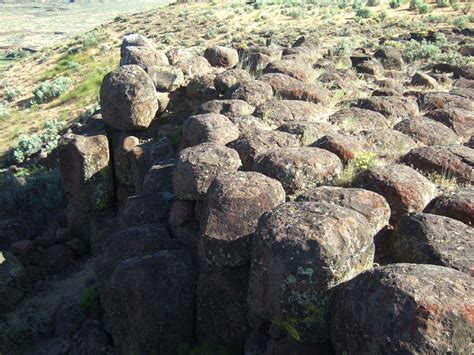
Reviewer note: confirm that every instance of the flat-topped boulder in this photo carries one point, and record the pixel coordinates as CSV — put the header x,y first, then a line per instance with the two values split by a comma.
x,y
459,120
197,167
390,106
354,120
427,131
297,69
278,112
232,208
143,56
407,308
308,131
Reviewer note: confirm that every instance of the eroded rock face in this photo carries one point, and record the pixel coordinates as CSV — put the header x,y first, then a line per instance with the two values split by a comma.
x,y
404,308
197,167
369,204
427,131
221,306
255,92
293,89
222,56
210,127
279,112
148,311
430,239
253,143
458,204
128,99
233,205
146,207
300,251
299,169
86,171
449,161
296,69
404,188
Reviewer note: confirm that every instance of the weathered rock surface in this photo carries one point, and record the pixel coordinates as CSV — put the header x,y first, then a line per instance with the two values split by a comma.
x,y
458,204
86,171
404,308
430,239
299,169
300,251
390,106
210,127
441,100
231,107
253,143
296,69
459,120
166,77
345,146
223,81
278,112
148,311
388,144
143,56
404,188
255,92
222,56
427,131
233,206
128,98
369,204
390,58
449,161
354,120
308,132
197,167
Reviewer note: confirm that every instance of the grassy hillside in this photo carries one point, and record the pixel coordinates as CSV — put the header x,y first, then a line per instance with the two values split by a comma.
x,y
86,58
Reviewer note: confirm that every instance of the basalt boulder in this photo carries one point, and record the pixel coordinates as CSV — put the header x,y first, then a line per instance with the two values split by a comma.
x,y
458,204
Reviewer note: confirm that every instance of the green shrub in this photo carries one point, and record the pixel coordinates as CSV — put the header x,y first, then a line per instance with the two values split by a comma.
x,y
415,4
364,12
357,4
442,3
394,4
383,15
424,8
11,92
373,2
48,90
466,9
361,162
90,302
420,50
461,22
3,110
436,18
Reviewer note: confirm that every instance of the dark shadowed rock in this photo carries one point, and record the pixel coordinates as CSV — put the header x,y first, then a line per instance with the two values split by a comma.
x,y
149,302
299,169
307,131
56,258
292,89
278,112
253,143
404,308
128,243
223,81
390,58
233,206
404,188
390,106
122,144
300,251
427,131
369,204
459,120
288,345
354,120
221,306
202,87
297,69
146,207
228,107
86,171
388,144
160,177
197,167
449,161
464,71
458,204
145,57
209,127
128,98
221,56
255,92
183,224
345,146
430,239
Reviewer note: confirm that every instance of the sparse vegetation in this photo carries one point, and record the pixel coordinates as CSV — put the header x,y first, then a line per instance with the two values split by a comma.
x,y
3,110
361,162
49,90
394,4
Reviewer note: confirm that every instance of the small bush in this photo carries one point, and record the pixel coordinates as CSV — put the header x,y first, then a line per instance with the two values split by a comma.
x,y
48,90
383,15
420,50
90,302
364,12
466,9
361,162
394,4
11,92
415,4
3,110
424,9
461,22
373,2
442,3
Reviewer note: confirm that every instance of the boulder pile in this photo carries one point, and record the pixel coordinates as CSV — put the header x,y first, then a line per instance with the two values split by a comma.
x,y
211,189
